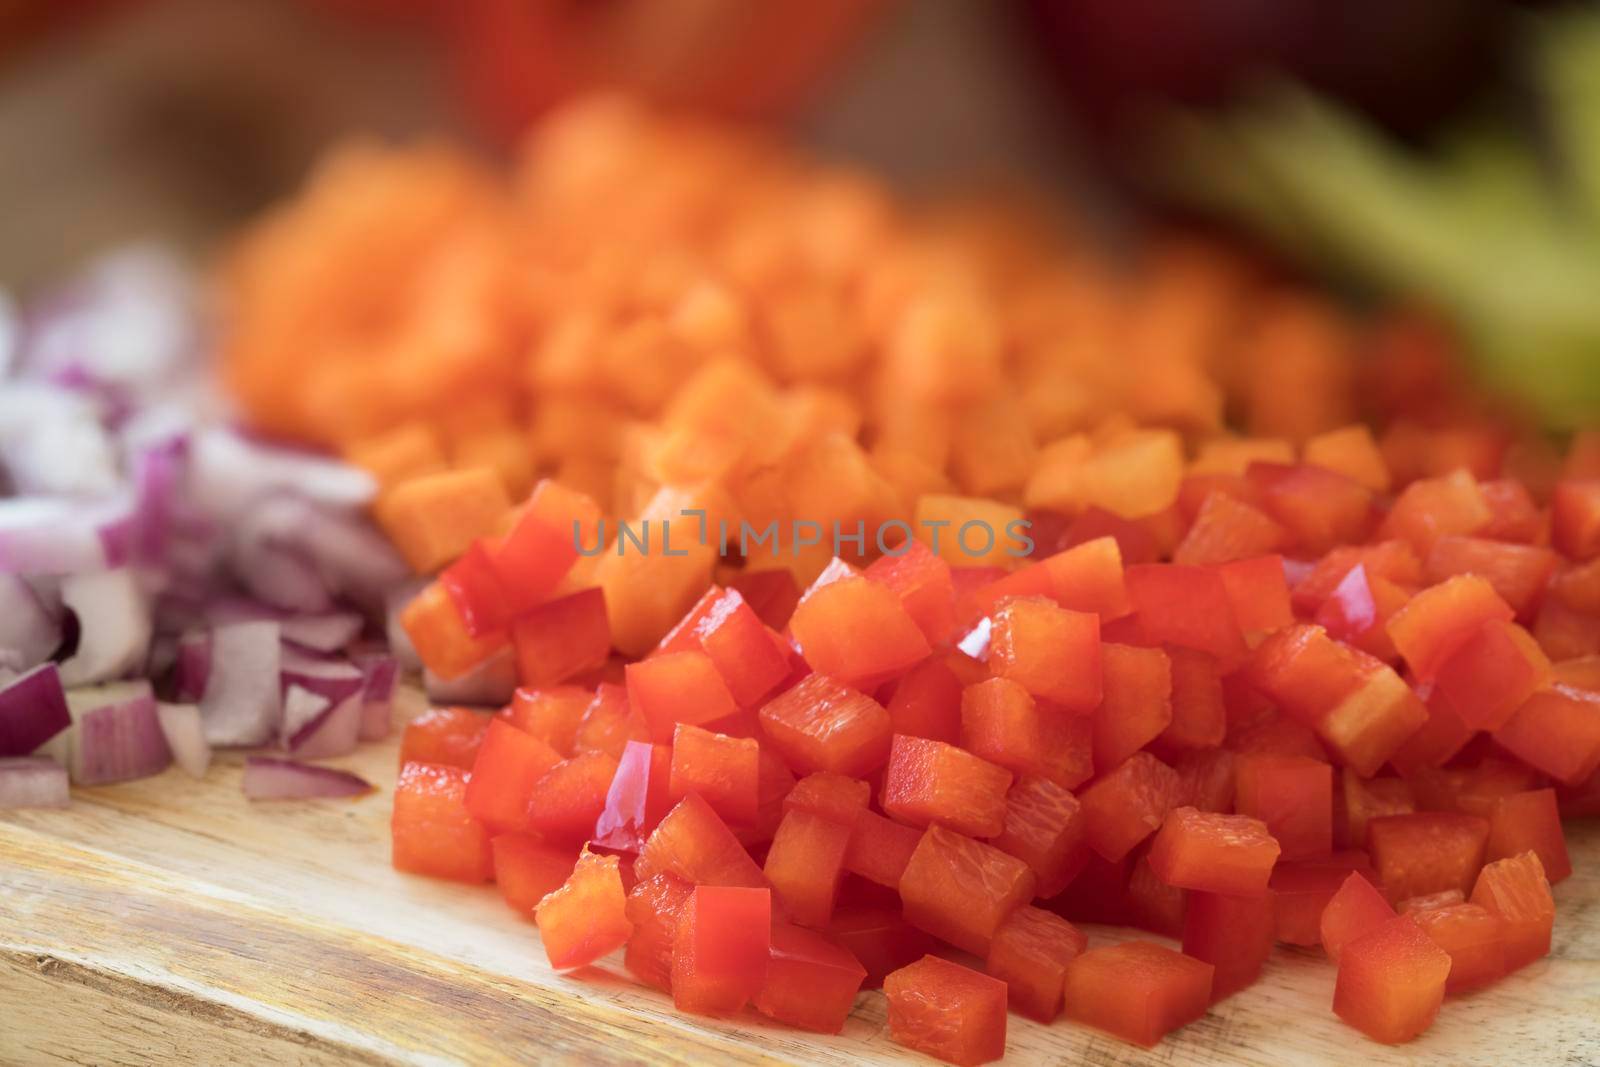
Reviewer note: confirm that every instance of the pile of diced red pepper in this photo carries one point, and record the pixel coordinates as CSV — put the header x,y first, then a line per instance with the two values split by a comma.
x,y
1341,715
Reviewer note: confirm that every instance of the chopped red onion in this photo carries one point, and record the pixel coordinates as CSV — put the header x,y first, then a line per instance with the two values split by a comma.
x,y
232,474
382,673
266,778
328,632
394,633
490,683
33,709
47,536
116,734
27,632
279,577
332,679
53,442
186,737
193,665
114,626
32,782
332,732
243,696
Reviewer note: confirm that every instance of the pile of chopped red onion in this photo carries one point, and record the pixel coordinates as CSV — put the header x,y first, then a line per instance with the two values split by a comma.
x,y
168,584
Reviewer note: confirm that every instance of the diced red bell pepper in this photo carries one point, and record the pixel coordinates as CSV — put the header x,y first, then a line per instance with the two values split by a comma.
x,y
526,870
960,889
719,957
1186,606
921,579
637,799
927,702
1275,735
1431,508
1515,516
1529,822
1575,518
609,722
1137,991
1227,529
771,594
1301,891
500,787
880,849
1233,934
1319,508
1001,723
438,631
880,938
1394,560
477,591
1472,789
432,832
1492,673
587,917
1050,651
724,770
1030,953
1128,804
1427,852
1557,731
1373,721
1135,543
1358,612
948,1011
811,981
857,631
823,725
1136,705
1437,740
1293,795
1213,853
1199,717
685,633
1258,592
1391,982
1066,754
542,544
1043,828
1360,800
1098,893
1580,801
1518,573
1087,578
1356,910
930,781
832,796
1474,938
1577,586
675,687
1205,779
805,863
1516,890
742,650
1564,633
695,845
566,802
449,737
1154,905
774,783
551,714
654,906
1443,617
562,638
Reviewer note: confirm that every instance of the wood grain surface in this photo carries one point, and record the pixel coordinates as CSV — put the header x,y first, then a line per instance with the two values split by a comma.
x,y
172,921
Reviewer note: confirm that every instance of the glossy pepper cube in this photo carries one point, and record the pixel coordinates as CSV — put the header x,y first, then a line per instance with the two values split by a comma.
x,y
1226,529
587,917
1431,508
1319,508
961,890
1516,890
1427,852
609,722
880,849
720,953
542,544
923,583
1186,606
1575,518
1529,822
1519,573
1030,953
1136,705
1137,991
692,843
561,639
432,832
567,800
1301,891
1258,592
857,631
1391,982
1474,938
811,981
449,737
1087,577
678,687
927,701
1232,933
724,770
930,781
1050,651
1199,714
638,797
654,906
880,938
1044,828
1361,800
551,714
526,869
804,865
1557,731
823,725
1441,619
831,796
1293,795
1355,910
1001,723
509,765
1214,853
438,631
948,1011
476,591
742,649
1128,804
1493,673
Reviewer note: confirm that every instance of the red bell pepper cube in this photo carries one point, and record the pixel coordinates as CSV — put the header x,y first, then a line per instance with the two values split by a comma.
x,y
1529,822
1199,716
542,544
1441,618
1427,852
1205,779
1274,734
948,1011
1474,938
449,737
1516,890
1355,910
1577,586
1135,544
1043,828
1137,991
551,714
1431,508
1391,982
675,687
880,938
1066,753
1258,592
1492,673
438,631
1556,731
857,631
1030,954
1430,901
724,770
923,583
477,591
1394,561
1519,573
930,781
927,701
832,796
1227,529
587,917
431,830
1001,723
719,957
771,594
1128,804
527,870
1359,609
1473,789
1234,934
1087,578
1575,518
609,722
823,725
508,766
1293,795
654,906
1214,853
1437,740
1186,606
1371,723
1050,651
1361,800
805,864
562,638
1154,905
567,801
774,783
1098,893
1515,517
685,633
741,648
880,849
1319,508
1565,633
960,889
695,845
811,981
1136,705
1301,891
637,799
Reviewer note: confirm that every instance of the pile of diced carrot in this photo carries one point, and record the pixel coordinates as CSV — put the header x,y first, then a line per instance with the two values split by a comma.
x,y
1331,681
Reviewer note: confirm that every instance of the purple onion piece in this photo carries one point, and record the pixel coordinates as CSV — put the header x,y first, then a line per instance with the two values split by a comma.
x,y
382,674
489,684
32,782
49,536
394,633
186,737
243,698
192,667
332,679
335,732
117,735
26,629
114,626
325,632
33,709
301,708
267,778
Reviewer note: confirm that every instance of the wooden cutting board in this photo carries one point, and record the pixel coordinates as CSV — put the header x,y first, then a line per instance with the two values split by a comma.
x,y
170,920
